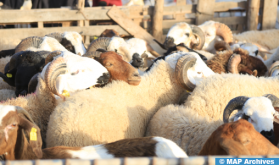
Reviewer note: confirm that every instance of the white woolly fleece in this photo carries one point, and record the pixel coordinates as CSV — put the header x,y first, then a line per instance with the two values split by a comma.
x,y
76,40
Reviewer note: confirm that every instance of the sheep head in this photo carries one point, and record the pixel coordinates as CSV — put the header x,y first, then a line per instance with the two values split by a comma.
x,y
241,62
69,73
119,69
192,36
257,110
237,138
212,31
109,33
19,134
190,70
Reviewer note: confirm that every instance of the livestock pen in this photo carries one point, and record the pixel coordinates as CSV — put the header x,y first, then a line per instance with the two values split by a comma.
x,y
146,22
155,20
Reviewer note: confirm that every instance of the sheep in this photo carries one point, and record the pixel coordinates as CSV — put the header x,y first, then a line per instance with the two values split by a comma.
x,y
128,107
190,130
237,138
192,36
3,63
237,61
266,38
109,33
213,31
72,41
17,145
22,66
40,105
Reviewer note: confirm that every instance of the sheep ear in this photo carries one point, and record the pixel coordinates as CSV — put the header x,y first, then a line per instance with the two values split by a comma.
x,y
233,147
32,135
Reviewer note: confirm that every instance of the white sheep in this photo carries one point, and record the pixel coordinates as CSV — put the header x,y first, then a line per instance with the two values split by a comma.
x,y
120,111
190,130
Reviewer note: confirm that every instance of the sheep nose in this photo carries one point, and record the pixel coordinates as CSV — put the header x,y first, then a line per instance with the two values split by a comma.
x,y
104,79
269,135
136,74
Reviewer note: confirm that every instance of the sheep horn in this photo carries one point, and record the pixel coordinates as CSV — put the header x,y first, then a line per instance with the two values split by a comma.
x,y
234,60
50,57
235,103
182,66
94,55
224,31
273,68
274,99
101,50
101,42
55,68
25,113
152,51
199,34
29,42
56,35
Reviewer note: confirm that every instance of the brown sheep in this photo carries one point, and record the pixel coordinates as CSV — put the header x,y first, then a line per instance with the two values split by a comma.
x,y
238,138
119,69
227,60
109,33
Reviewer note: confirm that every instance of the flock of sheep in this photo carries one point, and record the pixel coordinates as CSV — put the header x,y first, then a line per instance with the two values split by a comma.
x,y
210,93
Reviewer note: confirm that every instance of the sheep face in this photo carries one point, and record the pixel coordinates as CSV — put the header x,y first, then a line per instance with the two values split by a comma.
x,y
257,110
119,69
74,43
199,71
215,31
13,121
237,138
182,33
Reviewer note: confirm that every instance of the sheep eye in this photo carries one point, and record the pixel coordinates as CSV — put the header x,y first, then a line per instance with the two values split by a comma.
x,y
199,72
109,64
246,117
256,52
187,34
13,125
74,73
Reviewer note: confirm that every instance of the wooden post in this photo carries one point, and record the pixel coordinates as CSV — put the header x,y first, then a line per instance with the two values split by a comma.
x,y
180,2
205,11
80,6
253,14
269,14
40,24
157,27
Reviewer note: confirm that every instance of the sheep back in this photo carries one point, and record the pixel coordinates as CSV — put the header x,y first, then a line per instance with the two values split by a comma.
x,y
213,94
267,38
183,126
